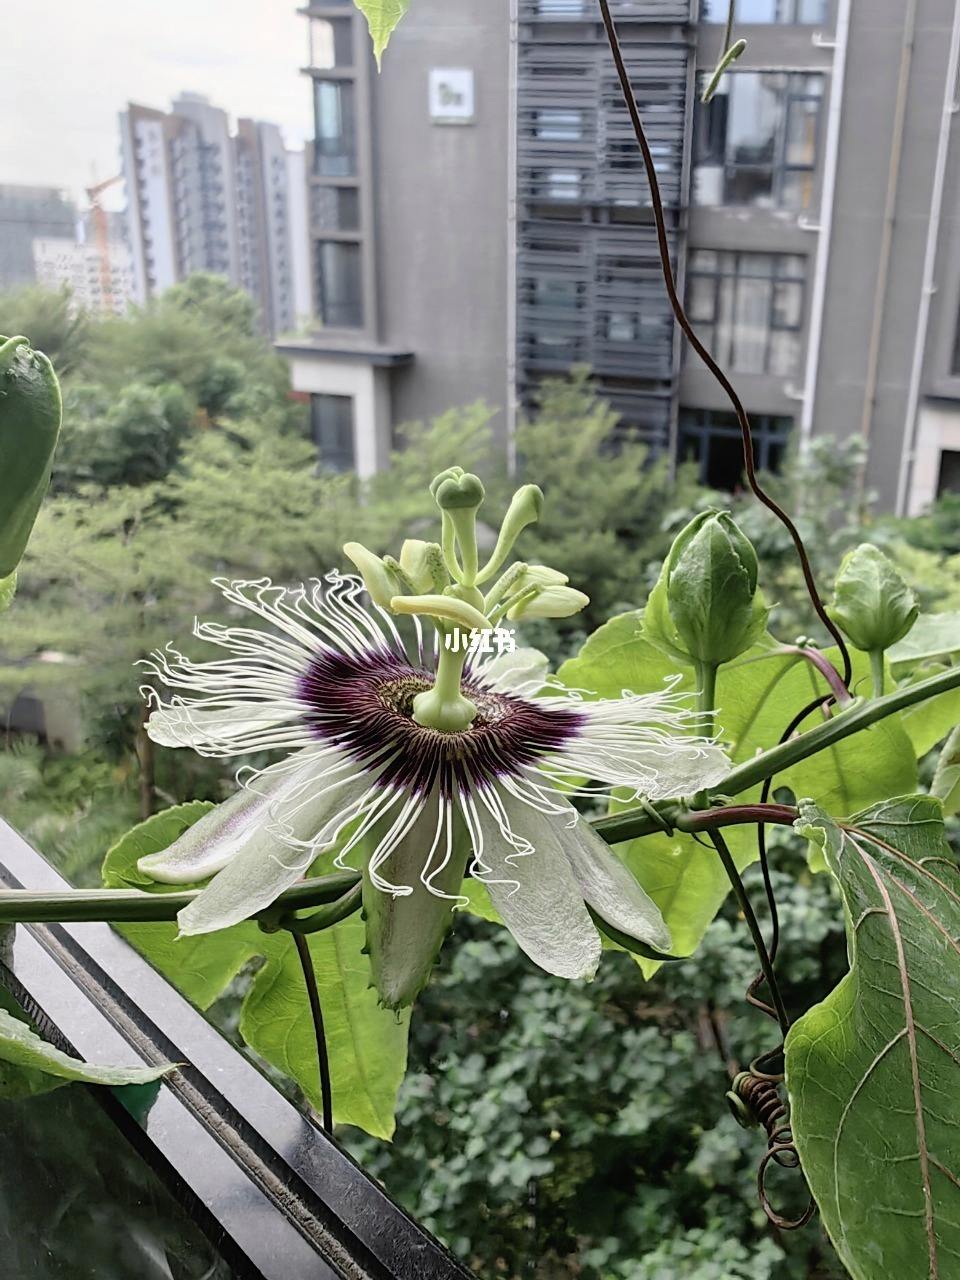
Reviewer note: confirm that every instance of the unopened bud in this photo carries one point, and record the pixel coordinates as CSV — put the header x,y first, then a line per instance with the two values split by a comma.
x,y
872,605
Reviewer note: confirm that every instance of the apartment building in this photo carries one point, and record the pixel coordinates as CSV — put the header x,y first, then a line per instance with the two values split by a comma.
x,y
479,219
97,269
27,213
202,198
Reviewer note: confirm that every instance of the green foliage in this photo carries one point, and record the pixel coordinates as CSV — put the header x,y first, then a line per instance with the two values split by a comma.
x,y
555,1130
873,1069
50,320
366,1044
382,17
946,780
30,417
29,1065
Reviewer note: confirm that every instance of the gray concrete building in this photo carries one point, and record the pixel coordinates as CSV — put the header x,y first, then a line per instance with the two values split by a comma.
x,y
28,214
201,198
479,219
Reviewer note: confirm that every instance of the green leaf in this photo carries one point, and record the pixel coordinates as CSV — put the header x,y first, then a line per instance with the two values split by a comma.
x,y
757,697
946,780
367,1045
26,1052
8,589
934,635
873,1072
930,722
382,17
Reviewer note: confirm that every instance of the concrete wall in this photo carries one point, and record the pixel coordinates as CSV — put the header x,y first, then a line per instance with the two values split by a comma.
x,y
845,399
441,209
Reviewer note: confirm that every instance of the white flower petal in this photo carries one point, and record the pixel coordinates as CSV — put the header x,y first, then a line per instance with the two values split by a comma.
x,y
523,671
540,903
269,861
192,725
207,846
608,886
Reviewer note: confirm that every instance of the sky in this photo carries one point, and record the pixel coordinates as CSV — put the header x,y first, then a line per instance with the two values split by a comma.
x,y
67,69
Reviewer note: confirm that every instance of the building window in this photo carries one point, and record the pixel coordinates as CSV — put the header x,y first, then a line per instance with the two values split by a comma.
x,y
712,439
335,145
560,8
949,478
331,422
557,184
339,283
748,308
331,43
798,11
756,142
558,126
335,208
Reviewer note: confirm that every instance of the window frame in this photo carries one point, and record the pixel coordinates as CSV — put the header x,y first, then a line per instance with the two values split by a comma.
x,y
276,1195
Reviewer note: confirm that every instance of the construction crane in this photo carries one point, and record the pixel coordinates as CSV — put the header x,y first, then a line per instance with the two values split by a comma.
x,y
101,238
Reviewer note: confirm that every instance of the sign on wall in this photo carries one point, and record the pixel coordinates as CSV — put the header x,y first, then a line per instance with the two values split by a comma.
x,y
451,95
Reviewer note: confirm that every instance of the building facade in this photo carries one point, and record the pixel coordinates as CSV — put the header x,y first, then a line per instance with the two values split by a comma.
x,y
479,220
200,198
99,276
26,214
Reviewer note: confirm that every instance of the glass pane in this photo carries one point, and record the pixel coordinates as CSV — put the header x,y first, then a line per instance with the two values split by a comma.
x,y
331,43
76,1200
335,208
784,353
335,145
811,10
556,293
559,126
331,420
752,326
339,283
796,189
563,184
801,140
787,306
621,326
701,299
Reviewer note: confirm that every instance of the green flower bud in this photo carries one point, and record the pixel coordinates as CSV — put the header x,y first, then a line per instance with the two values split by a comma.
x,y
710,578
422,562
526,507
872,605
377,578
461,493
30,414
451,473
551,602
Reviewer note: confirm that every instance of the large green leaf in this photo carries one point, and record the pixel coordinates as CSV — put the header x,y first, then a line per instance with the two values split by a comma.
x,y
946,780
873,1072
934,635
29,1065
930,722
382,17
367,1045
757,697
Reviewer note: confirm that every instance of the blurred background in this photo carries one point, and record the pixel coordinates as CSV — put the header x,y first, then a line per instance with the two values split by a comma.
x,y
283,290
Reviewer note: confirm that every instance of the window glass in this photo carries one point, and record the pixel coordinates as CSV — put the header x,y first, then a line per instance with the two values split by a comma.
x,y
339,283
562,184
335,208
559,126
764,11
756,142
748,309
331,420
560,8
335,143
711,438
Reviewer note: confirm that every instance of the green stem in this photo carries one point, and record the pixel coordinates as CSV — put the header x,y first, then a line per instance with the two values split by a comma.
x,y
633,823
328,915
876,670
130,906
707,696
464,521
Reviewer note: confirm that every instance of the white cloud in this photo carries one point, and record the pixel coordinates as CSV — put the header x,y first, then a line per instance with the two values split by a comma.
x,y
67,69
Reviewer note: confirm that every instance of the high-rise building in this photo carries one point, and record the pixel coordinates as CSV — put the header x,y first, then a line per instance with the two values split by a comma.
x,y
27,213
480,219
97,271
200,198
